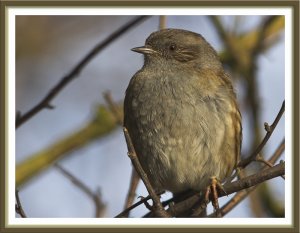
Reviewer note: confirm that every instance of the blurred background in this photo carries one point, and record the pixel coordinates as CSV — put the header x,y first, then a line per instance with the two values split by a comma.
x,y
49,47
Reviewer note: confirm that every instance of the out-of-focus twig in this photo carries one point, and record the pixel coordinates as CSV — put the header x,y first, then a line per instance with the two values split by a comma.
x,y
45,102
162,21
259,45
238,51
100,207
114,108
229,41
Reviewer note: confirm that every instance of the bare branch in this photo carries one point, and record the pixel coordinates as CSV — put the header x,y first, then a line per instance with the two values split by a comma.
x,y
157,206
254,179
45,103
270,130
18,207
96,197
259,158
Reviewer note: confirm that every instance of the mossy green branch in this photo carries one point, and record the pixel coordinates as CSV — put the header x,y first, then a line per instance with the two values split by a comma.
x,y
103,123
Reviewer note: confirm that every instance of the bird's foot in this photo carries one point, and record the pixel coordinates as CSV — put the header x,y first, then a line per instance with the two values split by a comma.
x,y
212,194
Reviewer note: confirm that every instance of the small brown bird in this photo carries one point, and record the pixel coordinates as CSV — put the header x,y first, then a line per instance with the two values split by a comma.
x,y
181,113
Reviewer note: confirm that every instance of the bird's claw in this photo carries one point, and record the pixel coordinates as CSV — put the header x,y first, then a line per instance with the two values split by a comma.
x,y
212,193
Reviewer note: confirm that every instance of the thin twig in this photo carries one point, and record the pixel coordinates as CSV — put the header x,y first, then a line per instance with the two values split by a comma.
x,y
18,206
96,197
270,130
125,212
157,206
259,158
267,163
254,179
45,102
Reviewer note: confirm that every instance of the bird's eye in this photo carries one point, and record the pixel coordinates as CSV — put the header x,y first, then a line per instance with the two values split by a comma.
x,y
172,47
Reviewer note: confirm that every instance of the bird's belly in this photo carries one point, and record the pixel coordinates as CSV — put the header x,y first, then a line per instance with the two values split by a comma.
x,y
181,146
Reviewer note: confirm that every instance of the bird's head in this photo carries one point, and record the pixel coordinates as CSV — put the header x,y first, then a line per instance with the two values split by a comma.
x,y
177,46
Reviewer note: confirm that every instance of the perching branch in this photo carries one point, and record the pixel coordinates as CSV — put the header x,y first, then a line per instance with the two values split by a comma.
x,y
157,206
233,187
46,102
254,179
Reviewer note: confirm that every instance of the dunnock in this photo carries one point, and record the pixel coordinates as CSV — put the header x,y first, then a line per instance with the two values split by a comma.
x,y
181,113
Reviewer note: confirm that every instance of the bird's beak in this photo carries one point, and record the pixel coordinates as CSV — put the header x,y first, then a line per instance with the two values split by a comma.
x,y
144,50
